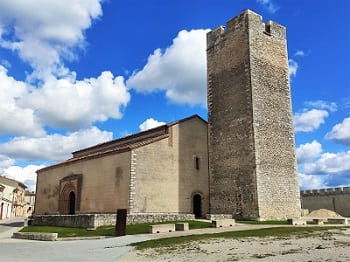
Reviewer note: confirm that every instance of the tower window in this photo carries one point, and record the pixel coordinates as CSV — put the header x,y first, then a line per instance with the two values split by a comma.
x,y
196,162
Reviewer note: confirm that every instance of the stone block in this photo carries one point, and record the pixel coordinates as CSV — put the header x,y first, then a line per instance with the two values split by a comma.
x,y
36,236
161,228
297,222
223,223
182,227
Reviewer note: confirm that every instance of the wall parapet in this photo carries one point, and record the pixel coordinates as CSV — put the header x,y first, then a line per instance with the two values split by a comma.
x,y
326,191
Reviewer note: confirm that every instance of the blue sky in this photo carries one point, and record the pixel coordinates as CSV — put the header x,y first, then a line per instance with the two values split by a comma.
x,y
77,73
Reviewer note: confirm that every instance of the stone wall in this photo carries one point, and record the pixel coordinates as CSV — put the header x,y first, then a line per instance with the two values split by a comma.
x,y
104,185
97,220
276,170
252,164
165,178
336,199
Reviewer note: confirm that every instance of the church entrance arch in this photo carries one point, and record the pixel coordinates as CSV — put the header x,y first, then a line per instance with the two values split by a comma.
x,y
197,205
71,203
70,194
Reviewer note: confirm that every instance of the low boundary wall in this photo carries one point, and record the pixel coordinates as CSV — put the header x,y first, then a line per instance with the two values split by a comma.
x,y
335,199
97,220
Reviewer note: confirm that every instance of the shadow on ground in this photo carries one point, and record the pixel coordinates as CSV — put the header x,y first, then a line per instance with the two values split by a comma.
x,y
13,224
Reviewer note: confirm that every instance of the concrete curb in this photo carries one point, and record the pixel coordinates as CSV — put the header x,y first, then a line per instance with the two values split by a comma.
x,y
82,238
35,236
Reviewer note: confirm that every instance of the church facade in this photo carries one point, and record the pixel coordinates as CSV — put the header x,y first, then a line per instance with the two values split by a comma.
x,y
241,163
163,170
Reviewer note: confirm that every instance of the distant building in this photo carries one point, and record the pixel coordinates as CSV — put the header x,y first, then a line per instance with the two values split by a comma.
x,y
11,197
29,201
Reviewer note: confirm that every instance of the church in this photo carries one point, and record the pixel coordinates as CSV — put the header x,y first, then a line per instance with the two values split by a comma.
x,y
241,163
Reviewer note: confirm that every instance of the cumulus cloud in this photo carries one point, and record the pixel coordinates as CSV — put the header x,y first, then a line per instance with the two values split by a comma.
x,y
150,123
14,118
292,67
25,175
309,120
73,104
180,70
5,162
53,147
61,103
321,104
340,133
311,181
329,163
42,32
269,5
308,151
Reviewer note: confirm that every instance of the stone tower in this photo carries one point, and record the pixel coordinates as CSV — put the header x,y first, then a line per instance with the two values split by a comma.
x,y
252,163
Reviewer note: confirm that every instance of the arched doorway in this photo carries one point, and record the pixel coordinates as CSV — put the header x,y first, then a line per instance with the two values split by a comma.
x,y
71,203
197,205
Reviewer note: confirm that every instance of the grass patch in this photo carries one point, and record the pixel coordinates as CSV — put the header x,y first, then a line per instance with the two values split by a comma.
x,y
265,232
71,231
105,230
269,222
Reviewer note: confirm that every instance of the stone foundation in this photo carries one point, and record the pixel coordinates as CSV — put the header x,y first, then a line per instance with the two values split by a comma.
x,y
218,216
97,220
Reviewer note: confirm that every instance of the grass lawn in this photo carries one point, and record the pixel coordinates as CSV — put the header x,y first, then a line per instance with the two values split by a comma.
x,y
265,232
105,230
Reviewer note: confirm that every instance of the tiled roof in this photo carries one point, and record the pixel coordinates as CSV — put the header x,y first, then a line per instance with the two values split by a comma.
x,y
121,149
14,182
140,134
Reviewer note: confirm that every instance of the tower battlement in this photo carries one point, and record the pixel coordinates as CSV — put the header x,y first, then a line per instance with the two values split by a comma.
x,y
248,19
326,191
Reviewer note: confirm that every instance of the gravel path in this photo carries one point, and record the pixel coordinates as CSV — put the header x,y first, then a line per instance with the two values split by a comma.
x,y
333,245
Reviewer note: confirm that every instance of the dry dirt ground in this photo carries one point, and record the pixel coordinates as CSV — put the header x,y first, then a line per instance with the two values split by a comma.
x,y
333,245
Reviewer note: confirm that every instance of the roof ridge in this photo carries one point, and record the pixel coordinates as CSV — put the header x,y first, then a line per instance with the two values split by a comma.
x,y
108,151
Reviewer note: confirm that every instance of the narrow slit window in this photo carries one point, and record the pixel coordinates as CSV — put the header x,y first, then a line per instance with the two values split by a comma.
x,y
196,162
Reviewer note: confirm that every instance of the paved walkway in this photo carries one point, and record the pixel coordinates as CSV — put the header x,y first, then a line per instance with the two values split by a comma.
x,y
9,226
108,249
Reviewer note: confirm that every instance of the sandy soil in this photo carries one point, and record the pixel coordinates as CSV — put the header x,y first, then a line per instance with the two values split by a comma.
x,y
333,245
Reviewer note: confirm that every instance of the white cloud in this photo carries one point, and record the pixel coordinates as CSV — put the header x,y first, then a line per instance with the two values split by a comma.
x,y
53,147
321,104
73,104
150,123
180,70
329,163
340,133
292,67
60,103
299,53
269,5
5,162
42,32
309,120
25,175
14,118
308,151
311,181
